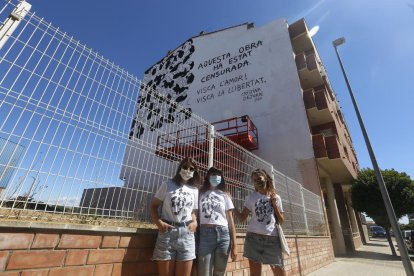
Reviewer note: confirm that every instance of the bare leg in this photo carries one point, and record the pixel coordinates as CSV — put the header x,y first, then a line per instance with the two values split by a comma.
x,y
166,268
278,271
194,269
255,268
183,268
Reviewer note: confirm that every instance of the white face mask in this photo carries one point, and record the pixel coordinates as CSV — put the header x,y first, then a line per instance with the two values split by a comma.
x,y
186,174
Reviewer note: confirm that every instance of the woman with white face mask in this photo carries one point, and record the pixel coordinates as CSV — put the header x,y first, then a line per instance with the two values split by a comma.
x,y
262,244
178,197
217,231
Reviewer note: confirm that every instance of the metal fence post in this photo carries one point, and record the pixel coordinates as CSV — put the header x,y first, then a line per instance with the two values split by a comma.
x,y
11,23
304,210
290,205
211,146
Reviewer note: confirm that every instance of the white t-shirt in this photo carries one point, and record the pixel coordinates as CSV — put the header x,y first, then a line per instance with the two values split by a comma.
x,y
178,201
213,206
263,216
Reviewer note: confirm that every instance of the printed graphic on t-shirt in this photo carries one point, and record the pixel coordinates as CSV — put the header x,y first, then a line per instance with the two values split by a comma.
x,y
263,210
210,207
181,200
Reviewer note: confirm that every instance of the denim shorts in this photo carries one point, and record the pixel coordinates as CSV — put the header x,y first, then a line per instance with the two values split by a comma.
x,y
213,251
263,249
176,244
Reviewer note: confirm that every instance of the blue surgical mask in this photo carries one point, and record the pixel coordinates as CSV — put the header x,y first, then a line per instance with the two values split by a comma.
x,y
215,180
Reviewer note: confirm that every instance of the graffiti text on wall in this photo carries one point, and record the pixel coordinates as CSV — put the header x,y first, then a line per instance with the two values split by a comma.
x,y
214,87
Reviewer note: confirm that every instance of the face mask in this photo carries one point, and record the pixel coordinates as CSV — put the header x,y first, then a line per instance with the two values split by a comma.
x,y
260,183
186,174
215,180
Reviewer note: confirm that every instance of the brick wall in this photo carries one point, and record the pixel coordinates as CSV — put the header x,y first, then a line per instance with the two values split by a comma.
x,y
30,252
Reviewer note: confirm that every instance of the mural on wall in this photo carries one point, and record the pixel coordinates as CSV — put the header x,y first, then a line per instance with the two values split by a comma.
x,y
225,74
173,75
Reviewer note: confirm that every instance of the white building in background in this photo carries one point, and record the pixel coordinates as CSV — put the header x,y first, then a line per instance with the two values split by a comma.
x,y
274,75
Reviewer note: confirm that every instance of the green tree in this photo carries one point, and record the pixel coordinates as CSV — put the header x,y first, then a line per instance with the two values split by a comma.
x,y
409,226
366,196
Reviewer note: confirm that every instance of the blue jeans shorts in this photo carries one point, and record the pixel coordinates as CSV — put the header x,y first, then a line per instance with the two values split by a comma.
x,y
176,244
213,251
263,249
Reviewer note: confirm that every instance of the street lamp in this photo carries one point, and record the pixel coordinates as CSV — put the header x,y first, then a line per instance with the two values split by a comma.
x,y
388,206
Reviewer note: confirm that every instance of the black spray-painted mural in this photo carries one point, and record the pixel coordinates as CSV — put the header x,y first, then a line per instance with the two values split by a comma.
x,y
171,77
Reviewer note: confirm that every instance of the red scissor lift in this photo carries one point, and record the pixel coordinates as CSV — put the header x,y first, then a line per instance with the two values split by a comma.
x,y
194,142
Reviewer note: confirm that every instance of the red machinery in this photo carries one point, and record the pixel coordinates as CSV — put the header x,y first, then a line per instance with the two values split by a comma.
x,y
194,142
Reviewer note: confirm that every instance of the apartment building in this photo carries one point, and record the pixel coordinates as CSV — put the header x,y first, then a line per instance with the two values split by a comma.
x,y
273,76
335,155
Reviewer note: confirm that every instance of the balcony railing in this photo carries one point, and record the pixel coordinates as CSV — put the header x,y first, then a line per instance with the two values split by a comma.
x,y
331,148
299,35
316,97
311,73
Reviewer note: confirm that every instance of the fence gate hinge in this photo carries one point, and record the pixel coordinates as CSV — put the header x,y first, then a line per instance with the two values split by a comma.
x,y
11,23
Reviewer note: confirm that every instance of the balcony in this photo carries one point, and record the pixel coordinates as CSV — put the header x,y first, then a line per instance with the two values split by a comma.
x,y
319,105
301,41
334,158
309,69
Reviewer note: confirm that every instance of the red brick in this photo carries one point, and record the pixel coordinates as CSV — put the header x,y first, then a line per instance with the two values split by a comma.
x,y
144,268
124,242
231,266
42,272
244,264
110,241
45,241
9,273
104,256
35,259
72,271
79,241
117,270
4,255
103,270
76,257
15,240
141,241
138,255
238,273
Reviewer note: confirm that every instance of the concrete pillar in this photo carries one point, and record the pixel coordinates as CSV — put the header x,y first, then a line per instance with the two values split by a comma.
x,y
351,213
338,238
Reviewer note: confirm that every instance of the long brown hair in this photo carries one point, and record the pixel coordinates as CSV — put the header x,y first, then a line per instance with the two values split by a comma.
x,y
195,180
269,182
206,184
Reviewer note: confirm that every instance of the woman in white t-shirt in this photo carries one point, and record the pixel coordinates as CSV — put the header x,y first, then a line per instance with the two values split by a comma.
x,y
262,244
217,231
178,197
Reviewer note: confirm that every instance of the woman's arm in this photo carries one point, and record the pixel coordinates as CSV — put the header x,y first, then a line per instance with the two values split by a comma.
x,y
162,226
193,225
232,229
243,215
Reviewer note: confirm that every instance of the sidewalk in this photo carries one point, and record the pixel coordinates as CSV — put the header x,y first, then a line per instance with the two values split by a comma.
x,y
373,259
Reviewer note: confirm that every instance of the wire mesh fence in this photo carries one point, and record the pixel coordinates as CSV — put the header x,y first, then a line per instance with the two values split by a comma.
x,y
83,140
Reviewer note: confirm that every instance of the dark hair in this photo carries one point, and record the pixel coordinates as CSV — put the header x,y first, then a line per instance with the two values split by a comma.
x,y
269,182
206,184
195,180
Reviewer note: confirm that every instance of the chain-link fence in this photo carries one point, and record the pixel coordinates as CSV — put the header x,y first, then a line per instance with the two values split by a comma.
x,y
83,140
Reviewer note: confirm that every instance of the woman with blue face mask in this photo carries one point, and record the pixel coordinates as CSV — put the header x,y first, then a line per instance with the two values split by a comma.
x,y
217,231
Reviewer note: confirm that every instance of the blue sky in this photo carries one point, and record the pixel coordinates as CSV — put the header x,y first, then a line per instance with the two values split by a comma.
x,y
378,55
